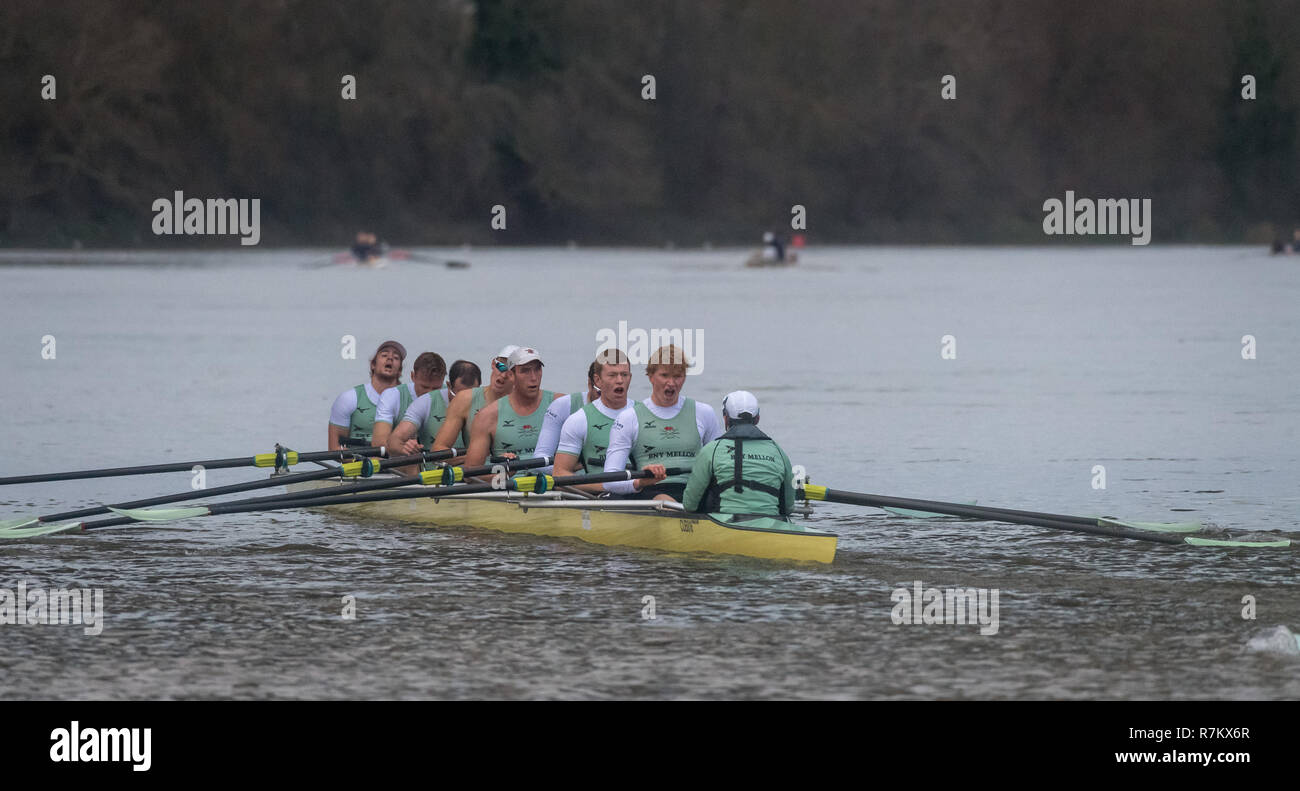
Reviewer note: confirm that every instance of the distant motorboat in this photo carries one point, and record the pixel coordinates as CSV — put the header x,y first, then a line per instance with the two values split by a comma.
x,y
757,259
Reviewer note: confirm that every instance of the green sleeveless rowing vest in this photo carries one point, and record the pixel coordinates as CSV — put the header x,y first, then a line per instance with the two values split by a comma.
x,y
672,442
518,433
437,414
591,459
405,397
478,402
362,424
575,402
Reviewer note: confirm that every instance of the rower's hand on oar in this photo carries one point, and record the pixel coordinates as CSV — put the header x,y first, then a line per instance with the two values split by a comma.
x,y
411,447
657,470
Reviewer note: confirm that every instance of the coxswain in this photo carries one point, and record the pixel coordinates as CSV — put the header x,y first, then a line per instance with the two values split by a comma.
x,y
510,426
353,414
742,472
584,436
468,403
427,373
667,429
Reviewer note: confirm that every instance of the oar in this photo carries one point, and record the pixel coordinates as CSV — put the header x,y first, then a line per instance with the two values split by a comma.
x,y
363,468
280,458
536,484
1100,527
1104,521
407,255
443,476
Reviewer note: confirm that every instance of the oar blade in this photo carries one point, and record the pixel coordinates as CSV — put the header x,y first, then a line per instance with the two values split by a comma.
x,y
160,514
1155,527
1218,542
911,514
22,521
34,532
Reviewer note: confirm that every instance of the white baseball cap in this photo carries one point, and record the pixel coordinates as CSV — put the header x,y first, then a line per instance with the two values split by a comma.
x,y
522,355
505,352
739,403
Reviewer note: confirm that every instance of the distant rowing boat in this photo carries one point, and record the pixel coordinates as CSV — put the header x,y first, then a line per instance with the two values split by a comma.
x,y
647,524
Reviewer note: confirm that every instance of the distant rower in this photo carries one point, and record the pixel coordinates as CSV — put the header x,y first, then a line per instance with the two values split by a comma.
x,y
584,438
511,425
367,248
743,471
666,430
353,412
773,249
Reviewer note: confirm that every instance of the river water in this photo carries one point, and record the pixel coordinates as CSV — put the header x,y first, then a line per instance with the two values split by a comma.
x,y
1067,362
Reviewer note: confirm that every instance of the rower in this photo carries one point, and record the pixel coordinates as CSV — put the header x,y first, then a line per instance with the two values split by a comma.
x,y
773,250
468,403
565,406
584,436
464,375
367,247
353,414
742,472
413,414
669,428
511,425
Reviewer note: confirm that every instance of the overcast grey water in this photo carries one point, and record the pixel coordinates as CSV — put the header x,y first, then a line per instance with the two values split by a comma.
x,y
1067,360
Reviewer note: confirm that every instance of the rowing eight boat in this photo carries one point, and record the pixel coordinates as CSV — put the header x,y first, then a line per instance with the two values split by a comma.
x,y
649,524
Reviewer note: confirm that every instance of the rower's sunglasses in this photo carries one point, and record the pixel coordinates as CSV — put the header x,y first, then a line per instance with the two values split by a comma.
x,y
500,365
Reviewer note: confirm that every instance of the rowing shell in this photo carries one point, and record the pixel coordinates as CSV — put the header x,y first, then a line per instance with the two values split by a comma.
x,y
649,524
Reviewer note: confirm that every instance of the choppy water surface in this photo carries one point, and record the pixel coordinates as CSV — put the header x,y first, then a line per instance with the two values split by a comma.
x,y
1066,359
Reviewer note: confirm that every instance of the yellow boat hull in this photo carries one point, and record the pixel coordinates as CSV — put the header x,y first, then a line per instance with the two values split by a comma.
x,y
670,531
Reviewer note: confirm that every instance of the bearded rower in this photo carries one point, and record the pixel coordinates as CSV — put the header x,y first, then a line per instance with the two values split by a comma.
x,y
511,425
584,436
667,429
742,472
427,373
468,403
353,414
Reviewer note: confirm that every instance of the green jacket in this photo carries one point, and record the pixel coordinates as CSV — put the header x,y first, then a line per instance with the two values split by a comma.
x,y
766,477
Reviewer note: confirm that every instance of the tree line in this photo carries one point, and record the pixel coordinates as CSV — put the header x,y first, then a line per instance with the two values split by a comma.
x,y
539,105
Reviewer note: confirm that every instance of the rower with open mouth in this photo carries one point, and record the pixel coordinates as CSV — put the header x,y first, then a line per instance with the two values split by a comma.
x,y
468,403
353,414
510,426
668,429
583,438
427,373
565,406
